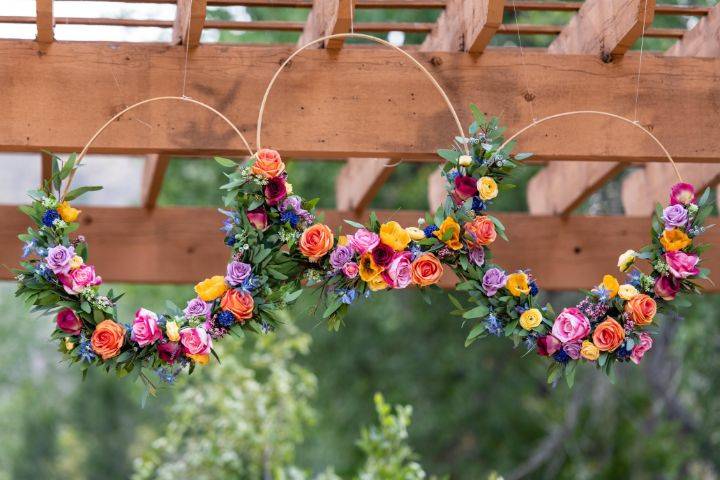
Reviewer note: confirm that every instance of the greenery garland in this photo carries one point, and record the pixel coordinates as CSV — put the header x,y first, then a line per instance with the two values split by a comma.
x,y
278,250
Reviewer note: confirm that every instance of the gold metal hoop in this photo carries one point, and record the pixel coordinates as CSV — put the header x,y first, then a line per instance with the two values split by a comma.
x,y
85,149
366,37
604,114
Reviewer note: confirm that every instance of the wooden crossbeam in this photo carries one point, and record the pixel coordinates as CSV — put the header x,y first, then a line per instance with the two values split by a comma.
x,y
184,245
189,22
45,21
363,103
328,17
359,181
467,25
152,179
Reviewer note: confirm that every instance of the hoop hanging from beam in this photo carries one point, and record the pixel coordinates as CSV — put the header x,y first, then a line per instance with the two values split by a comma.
x,y
380,41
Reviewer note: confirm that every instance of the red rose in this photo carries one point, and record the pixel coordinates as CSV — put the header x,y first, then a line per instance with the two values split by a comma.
x,y
68,321
548,345
258,218
465,187
383,254
275,190
168,351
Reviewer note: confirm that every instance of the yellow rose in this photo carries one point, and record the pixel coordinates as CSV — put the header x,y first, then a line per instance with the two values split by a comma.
x,y
288,188
530,318
487,187
627,292
211,288
674,239
611,284
68,213
626,260
393,235
199,359
517,284
69,345
76,262
449,225
589,351
377,283
172,331
465,160
342,240
415,233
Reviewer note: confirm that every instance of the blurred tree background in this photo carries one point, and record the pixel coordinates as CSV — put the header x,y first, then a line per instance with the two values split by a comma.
x,y
306,398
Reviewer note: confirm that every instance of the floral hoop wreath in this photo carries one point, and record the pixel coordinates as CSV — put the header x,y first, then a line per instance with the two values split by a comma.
x,y
278,250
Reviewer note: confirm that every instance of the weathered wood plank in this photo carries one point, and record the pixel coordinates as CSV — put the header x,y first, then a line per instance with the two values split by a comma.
x,y
152,179
466,25
355,103
703,40
189,22
359,181
45,167
45,21
328,17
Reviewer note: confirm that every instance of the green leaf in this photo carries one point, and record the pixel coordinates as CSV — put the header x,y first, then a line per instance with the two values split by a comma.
x,y
73,194
354,224
477,114
449,155
477,312
225,162
292,296
477,330
67,167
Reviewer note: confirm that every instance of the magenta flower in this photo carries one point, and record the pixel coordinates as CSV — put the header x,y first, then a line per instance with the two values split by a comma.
x,y
168,351
145,328
682,193
363,241
68,321
666,287
571,325
399,271
547,345
275,191
682,265
195,341
258,218
79,279
641,348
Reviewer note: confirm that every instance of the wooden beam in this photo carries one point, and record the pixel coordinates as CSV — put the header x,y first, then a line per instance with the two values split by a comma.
x,y
607,29
359,181
45,21
703,40
152,180
45,167
362,103
189,22
184,245
466,25
328,17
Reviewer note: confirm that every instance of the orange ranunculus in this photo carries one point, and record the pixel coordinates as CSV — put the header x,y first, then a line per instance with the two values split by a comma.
x,y
426,270
479,232
268,163
368,268
240,304
449,225
377,283
608,335
642,309
68,213
107,339
316,241
675,239
211,288
393,235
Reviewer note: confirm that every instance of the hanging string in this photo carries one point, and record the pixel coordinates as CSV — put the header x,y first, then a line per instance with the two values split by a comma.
x,y
352,16
524,67
187,47
642,44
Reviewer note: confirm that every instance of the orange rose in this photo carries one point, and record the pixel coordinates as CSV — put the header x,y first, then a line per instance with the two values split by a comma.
x,y
268,163
479,232
240,304
642,309
675,239
316,241
107,339
608,335
426,270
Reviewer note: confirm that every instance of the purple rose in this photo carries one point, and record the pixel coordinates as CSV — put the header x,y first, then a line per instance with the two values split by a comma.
x,y
675,216
340,256
493,280
237,272
197,307
58,259
291,203
573,349
477,256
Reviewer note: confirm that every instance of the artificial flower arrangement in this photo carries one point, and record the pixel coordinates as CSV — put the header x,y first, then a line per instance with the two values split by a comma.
x,y
278,250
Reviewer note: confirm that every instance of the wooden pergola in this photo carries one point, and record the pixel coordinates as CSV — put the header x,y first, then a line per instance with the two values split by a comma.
x,y
369,107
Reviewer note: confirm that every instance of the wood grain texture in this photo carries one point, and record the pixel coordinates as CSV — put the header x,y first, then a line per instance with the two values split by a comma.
x,y
359,102
466,25
153,175
45,21
45,167
184,245
328,17
189,22
703,40
359,181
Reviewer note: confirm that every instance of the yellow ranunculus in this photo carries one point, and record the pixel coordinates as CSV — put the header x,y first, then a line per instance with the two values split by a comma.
x,y
449,225
393,235
211,288
465,160
76,262
487,187
199,359
517,284
69,345
626,260
68,213
172,331
627,292
589,351
611,284
368,268
415,233
530,318
342,240
674,239
377,283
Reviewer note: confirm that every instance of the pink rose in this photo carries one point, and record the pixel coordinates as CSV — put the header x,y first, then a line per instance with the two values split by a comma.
x,y
571,325
363,241
258,218
350,269
79,279
666,287
145,328
195,341
399,272
68,321
682,193
639,350
681,264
